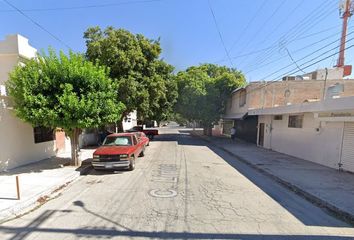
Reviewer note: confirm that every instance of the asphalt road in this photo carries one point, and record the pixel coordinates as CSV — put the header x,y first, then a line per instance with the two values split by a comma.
x,y
182,189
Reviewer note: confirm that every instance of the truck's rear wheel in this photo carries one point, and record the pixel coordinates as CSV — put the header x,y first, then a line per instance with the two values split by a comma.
x,y
132,163
142,153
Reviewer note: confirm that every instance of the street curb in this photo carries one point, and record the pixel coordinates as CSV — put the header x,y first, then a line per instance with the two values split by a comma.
x,y
346,216
37,199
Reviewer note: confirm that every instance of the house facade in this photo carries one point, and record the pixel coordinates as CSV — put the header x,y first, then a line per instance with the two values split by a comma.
x,y
130,121
20,143
322,132
292,90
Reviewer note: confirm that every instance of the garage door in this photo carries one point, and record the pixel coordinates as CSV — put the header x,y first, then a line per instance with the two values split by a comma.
x,y
348,147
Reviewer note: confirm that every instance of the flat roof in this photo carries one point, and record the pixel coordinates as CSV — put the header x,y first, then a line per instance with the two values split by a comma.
x,y
328,105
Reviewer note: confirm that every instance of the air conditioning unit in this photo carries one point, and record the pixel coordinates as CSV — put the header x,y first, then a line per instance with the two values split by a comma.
x,y
3,92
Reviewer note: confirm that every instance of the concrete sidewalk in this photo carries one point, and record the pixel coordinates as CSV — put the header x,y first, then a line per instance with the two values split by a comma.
x,y
37,181
326,187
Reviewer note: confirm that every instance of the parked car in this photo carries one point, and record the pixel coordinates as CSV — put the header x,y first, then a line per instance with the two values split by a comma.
x,y
119,150
143,138
149,132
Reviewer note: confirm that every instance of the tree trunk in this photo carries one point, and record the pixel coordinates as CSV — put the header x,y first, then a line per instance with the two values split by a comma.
x,y
74,137
120,123
210,130
207,129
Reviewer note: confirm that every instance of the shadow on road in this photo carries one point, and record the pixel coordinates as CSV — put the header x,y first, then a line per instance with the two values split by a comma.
x,y
94,232
290,201
304,211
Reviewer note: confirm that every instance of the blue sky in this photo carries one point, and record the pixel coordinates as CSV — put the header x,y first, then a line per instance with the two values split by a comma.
x,y
189,36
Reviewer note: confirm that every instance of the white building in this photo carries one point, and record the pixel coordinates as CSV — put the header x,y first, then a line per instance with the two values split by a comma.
x,y
20,143
322,132
130,121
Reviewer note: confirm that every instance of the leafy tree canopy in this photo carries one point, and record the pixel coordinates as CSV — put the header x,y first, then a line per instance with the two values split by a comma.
x,y
64,91
145,83
204,90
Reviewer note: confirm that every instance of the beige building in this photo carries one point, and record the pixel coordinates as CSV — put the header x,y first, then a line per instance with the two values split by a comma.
x,y
309,116
20,143
289,91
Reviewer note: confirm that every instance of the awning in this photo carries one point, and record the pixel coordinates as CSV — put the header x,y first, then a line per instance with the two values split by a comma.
x,y
235,116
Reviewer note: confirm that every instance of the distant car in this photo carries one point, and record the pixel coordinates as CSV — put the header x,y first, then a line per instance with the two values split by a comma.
x,y
149,132
119,150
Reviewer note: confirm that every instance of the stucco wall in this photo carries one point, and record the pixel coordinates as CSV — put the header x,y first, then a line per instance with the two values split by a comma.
x,y
320,144
17,143
7,63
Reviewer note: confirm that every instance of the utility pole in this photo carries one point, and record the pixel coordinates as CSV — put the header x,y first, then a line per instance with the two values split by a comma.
x,y
346,10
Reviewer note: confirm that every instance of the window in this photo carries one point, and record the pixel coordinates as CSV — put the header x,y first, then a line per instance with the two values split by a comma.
x,y
118,141
295,121
278,117
135,141
43,134
242,98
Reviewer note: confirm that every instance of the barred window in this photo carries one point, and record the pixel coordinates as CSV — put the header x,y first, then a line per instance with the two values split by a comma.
x,y
43,134
295,121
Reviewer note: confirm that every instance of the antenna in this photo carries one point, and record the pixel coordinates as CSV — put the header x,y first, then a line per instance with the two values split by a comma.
x,y
345,10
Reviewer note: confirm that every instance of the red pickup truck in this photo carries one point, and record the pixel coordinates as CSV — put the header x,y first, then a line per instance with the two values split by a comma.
x,y
149,132
119,150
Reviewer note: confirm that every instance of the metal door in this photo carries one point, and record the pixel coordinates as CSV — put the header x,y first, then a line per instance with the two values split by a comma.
x,y
347,156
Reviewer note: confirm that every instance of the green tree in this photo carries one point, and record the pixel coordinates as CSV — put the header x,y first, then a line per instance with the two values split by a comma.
x,y
145,83
62,91
203,92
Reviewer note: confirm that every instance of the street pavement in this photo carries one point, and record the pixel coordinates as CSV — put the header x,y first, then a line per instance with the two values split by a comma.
x,y
324,186
182,189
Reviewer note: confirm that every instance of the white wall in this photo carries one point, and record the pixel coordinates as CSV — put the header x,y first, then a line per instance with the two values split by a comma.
x,y
130,121
322,146
17,145
7,63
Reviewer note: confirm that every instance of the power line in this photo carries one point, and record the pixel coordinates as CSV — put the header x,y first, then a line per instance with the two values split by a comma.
x,y
83,7
264,24
318,11
310,55
246,26
37,24
292,59
295,39
267,55
298,50
318,61
287,17
218,29
291,73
